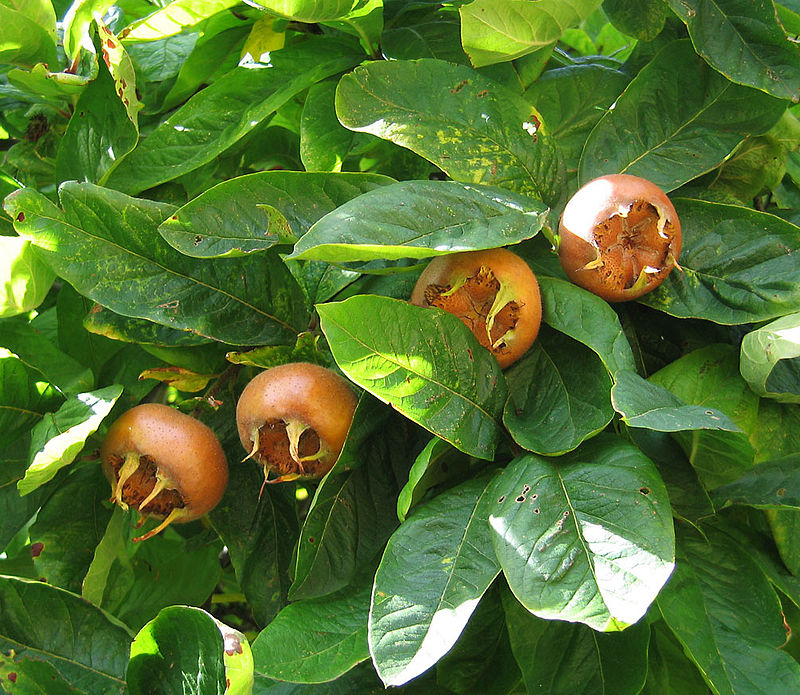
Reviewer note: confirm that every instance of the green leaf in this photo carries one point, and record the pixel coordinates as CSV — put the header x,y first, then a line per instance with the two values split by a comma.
x,y
38,352
173,18
68,527
481,661
493,31
220,115
643,403
425,363
586,537
709,377
32,676
765,486
728,619
745,42
310,11
769,359
105,322
99,133
181,648
435,569
24,279
260,533
669,671
559,395
677,119
573,99
588,319
87,648
347,526
61,436
433,465
324,142
470,127
777,430
562,658
77,22
316,640
642,19
420,219
233,217
27,38
738,266
104,243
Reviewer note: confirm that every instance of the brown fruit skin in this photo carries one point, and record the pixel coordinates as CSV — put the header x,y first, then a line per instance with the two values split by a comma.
x,y
184,449
597,201
507,267
300,391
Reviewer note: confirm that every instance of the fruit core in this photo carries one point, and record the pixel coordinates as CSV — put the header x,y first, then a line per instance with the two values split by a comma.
x,y
483,304
633,246
140,483
288,448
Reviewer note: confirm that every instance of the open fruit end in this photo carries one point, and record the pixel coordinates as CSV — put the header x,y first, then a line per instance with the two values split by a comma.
x,y
289,448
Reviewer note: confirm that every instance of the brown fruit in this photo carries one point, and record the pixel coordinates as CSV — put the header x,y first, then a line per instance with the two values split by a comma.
x,y
165,464
619,237
294,419
493,292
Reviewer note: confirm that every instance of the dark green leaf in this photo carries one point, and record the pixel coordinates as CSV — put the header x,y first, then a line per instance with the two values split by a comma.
x,y
434,464
470,127
727,617
588,319
709,377
68,527
767,485
738,266
39,353
223,113
493,31
180,651
669,671
642,19
84,645
106,245
435,569
560,658
316,640
677,119
586,537
61,436
260,533
744,41
643,403
785,527
573,99
419,219
559,395
347,525
105,322
770,359
233,218
481,661
425,363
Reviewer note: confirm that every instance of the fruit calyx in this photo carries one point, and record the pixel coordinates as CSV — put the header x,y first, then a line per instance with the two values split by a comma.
x,y
483,303
141,484
289,448
633,246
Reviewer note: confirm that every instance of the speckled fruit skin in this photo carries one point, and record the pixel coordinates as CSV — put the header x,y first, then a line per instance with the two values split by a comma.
x,y
598,201
312,395
509,269
186,450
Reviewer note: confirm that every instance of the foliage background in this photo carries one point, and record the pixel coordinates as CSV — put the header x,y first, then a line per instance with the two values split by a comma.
x,y
194,191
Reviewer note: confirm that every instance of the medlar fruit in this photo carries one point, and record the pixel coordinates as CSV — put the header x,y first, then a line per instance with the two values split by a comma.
x,y
165,464
493,292
294,419
619,237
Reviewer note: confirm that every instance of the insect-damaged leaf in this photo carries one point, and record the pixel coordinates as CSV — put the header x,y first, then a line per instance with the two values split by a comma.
x,y
586,537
